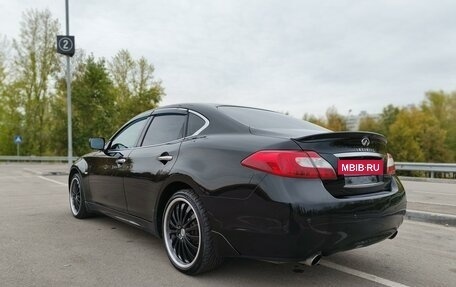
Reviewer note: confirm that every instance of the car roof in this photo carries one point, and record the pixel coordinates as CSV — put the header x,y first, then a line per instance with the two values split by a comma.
x,y
219,121
205,107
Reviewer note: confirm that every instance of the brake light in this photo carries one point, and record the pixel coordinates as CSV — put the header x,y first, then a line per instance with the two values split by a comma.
x,y
390,166
298,164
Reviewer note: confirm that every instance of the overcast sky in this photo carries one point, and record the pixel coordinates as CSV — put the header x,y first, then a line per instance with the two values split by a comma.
x,y
295,56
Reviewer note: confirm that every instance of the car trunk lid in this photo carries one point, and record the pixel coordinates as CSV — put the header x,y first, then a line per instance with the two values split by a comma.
x,y
346,146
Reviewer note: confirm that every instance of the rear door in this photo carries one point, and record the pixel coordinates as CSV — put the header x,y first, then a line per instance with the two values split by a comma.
x,y
150,164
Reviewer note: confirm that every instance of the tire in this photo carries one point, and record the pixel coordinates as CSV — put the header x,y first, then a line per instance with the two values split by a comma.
x,y
76,197
187,234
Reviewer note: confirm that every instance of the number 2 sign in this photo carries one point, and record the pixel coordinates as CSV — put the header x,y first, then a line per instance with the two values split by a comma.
x,y
65,45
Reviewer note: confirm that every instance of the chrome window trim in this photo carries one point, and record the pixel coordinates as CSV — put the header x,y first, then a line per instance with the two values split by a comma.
x,y
206,123
358,154
169,142
160,111
159,144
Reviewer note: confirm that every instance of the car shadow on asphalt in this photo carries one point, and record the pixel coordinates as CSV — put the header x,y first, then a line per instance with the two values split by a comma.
x,y
234,271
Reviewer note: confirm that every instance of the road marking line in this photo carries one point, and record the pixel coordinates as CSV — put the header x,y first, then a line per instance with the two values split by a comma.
x,y
51,180
361,274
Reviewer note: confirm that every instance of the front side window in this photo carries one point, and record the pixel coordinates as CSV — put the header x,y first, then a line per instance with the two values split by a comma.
x,y
165,128
128,137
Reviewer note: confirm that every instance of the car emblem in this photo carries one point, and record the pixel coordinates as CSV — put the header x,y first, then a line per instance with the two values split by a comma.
x,y
365,141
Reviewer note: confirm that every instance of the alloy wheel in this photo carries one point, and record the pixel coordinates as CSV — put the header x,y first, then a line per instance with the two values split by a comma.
x,y
75,195
182,233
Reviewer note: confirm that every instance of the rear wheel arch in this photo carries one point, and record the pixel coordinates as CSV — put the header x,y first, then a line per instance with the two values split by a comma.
x,y
186,228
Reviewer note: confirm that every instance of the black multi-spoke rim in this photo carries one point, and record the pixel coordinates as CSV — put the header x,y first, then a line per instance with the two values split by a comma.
x,y
182,232
75,196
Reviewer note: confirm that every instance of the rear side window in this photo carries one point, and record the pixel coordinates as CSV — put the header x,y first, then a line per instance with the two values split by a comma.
x,y
264,119
195,123
165,128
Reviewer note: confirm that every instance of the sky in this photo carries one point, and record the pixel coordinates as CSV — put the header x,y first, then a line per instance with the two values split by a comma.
x,y
289,56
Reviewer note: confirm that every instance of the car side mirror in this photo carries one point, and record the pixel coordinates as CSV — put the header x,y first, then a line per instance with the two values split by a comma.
x,y
97,143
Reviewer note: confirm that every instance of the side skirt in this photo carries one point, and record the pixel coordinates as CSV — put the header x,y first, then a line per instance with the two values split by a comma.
x,y
123,217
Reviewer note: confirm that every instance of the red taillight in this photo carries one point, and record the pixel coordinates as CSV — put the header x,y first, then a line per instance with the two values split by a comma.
x,y
390,167
300,164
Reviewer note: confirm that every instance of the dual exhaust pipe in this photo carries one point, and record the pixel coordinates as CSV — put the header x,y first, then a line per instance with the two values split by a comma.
x,y
315,259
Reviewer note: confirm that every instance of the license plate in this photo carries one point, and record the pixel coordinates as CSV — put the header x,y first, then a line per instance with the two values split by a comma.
x,y
360,167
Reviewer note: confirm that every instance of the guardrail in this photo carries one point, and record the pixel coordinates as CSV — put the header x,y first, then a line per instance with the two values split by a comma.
x,y
428,167
35,158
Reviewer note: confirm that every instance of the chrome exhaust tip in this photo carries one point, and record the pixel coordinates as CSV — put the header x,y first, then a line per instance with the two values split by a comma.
x,y
393,235
312,260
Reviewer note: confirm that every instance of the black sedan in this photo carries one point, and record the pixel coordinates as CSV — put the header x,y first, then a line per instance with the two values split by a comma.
x,y
219,181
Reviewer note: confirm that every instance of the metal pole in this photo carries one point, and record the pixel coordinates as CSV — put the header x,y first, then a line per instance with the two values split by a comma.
x,y
68,80
17,149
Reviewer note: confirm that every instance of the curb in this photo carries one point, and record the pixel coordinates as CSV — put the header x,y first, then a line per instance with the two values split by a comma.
x,y
430,217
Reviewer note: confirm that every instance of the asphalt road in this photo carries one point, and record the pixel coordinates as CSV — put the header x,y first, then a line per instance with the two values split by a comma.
x,y
431,196
41,244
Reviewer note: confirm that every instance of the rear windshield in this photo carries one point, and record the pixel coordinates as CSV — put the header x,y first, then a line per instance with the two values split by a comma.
x,y
264,119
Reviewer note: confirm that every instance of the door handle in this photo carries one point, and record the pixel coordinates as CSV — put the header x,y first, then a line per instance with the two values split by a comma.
x,y
121,161
165,158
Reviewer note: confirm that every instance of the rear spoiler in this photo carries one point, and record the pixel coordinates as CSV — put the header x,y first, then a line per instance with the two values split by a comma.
x,y
342,135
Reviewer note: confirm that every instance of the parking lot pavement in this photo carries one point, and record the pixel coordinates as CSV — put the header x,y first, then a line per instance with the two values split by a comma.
x,y
41,244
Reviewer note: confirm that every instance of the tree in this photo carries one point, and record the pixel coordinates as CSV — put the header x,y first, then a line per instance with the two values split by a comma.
x,y
313,119
136,89
92,104
442,106
451,127
335,121
10,118
4,47
415,136
10,115
370,124
102,101
387,118
435,103
36,64
33,94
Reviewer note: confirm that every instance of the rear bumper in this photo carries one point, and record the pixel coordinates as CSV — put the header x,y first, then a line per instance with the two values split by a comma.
x,y
290,220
